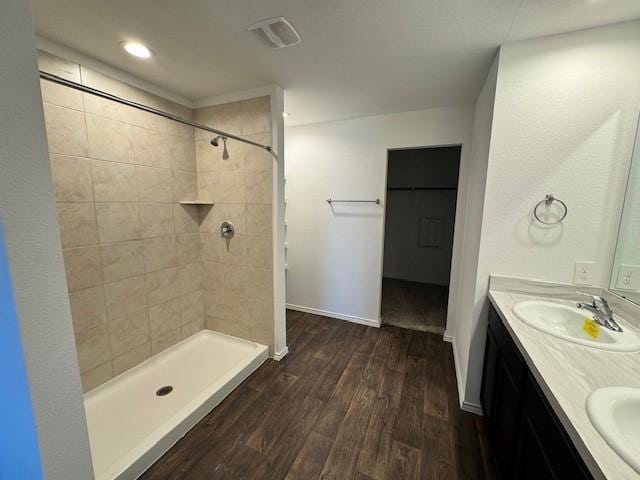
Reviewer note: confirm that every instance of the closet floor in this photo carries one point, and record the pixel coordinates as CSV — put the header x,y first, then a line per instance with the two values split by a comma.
x,y
413,305
348,402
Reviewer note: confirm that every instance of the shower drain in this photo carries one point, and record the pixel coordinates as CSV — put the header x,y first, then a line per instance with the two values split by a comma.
x,y
164,391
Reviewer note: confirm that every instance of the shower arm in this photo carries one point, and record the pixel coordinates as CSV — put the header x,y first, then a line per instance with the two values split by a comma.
x,y
99,93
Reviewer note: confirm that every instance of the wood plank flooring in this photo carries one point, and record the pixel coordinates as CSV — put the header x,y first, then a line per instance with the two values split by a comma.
x,y
348,402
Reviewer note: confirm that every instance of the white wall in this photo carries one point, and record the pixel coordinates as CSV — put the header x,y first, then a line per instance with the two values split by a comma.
x,y
334,254
28,212
460,324
563,123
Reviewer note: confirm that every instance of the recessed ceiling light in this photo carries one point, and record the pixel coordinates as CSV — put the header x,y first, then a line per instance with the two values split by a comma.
x,y
285,114
137,49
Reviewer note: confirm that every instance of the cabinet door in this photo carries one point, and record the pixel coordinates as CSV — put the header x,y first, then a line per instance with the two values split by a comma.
x,y
560,455
505,424
487,393
532,463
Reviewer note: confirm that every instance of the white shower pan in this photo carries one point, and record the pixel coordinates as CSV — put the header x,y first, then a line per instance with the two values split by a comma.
x,y
130,426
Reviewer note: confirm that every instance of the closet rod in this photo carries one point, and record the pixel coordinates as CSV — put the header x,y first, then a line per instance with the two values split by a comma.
x,y
99,93
409,187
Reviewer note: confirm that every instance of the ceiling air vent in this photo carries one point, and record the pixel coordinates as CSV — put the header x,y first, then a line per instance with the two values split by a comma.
x,y
276,32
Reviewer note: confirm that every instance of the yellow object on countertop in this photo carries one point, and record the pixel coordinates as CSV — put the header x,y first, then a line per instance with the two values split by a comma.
x,y
591,328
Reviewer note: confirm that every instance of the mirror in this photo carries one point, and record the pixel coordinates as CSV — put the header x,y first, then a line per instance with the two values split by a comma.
x,y
625,273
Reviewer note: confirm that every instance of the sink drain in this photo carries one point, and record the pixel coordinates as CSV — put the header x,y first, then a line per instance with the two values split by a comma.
x,y
164,391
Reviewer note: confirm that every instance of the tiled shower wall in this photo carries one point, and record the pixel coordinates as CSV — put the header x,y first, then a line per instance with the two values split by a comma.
x,y
238,280
142,269
132,253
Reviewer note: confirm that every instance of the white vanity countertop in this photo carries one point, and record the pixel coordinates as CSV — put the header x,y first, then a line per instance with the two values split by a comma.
x,y
568,372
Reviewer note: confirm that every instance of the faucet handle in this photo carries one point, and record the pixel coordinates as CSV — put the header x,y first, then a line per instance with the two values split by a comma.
x,y
597,300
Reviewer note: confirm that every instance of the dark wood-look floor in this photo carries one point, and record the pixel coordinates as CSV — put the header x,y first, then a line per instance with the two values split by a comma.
x,y
348,402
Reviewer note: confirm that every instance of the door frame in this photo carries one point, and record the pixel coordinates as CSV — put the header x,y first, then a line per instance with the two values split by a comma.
x,y
458,226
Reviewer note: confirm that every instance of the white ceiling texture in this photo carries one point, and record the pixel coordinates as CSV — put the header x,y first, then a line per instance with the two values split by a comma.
x,y
357,57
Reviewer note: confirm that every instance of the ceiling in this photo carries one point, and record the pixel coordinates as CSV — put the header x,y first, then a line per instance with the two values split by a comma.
x,y
357,57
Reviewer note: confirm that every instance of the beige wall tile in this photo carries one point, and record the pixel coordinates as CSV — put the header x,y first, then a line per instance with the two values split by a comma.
x,y
257,159
183,153
93,347
232,251
258,282
192,305
214,282
132,358
230,187
154,184
118,222
207,156
233,281
209,246
165,341
104,108
256,115
185,186
188,248
88,308
258,186
66,131
150,148
83,266
208,186
109,139
156,219
236,151
122,260
180,130
259,252
129,332
258,218
62,96
162,285
190,278
159,253
165,317
226,117
189,329
234,213
71,178
235,319
114,182
186,218
125,297
77,224
96,377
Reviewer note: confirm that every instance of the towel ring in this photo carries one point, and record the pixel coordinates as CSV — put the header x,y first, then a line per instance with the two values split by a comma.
x,y
548,200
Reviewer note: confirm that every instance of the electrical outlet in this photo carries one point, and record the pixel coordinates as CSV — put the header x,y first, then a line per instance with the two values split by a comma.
x,y
628,277
583,273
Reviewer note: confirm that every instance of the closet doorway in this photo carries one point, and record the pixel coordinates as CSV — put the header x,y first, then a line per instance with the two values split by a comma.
x,y
422,186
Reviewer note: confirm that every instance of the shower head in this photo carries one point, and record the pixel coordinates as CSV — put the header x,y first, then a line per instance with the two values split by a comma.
x,y
215,140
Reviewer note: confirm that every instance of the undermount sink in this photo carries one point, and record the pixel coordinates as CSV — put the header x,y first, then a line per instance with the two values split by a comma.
x,y
566,322
615,414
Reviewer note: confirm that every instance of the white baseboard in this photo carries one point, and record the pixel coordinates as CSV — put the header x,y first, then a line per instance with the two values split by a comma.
x,y
465,405
447,337
277,356
471,408
349,318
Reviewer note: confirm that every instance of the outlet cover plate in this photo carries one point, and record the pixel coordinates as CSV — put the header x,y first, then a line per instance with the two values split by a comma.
x,y
583,273
628,277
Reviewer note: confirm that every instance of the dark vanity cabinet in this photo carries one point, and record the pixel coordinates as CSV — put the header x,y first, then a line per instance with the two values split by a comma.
x,y
527,439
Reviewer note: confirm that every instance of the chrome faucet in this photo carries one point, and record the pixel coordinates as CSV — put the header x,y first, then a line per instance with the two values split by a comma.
x,y
601,311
